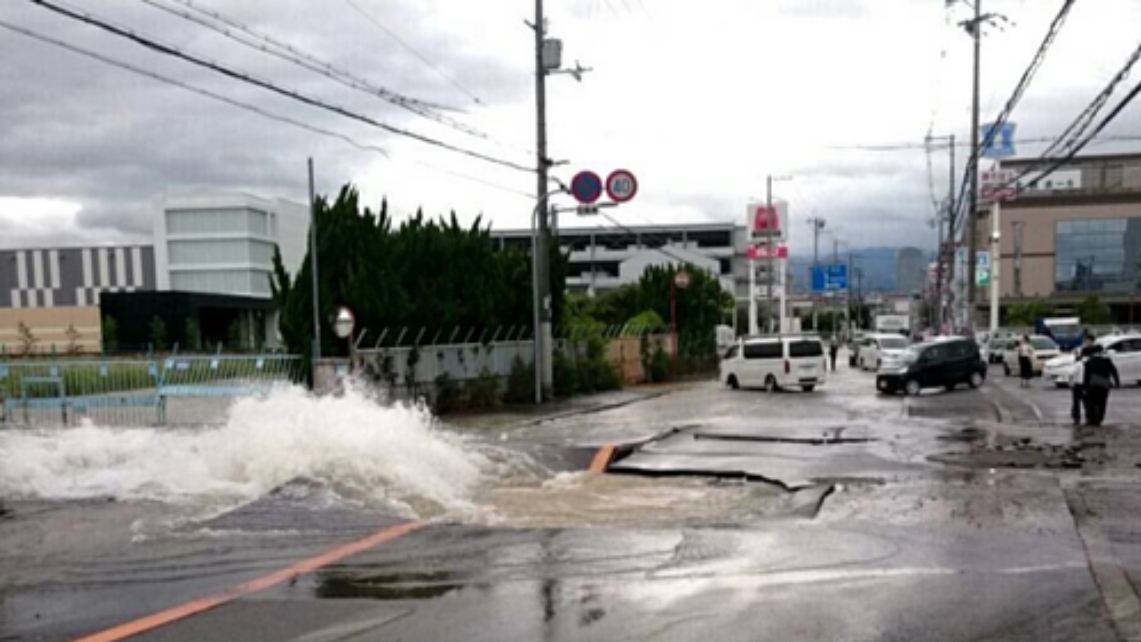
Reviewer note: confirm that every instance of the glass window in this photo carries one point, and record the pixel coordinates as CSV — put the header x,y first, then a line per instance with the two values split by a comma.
x,y
1043,343
732,353
891,343
770,350
805,349
1098,255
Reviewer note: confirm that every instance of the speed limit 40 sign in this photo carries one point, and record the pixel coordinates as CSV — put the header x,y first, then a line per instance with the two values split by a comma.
x,y
621,186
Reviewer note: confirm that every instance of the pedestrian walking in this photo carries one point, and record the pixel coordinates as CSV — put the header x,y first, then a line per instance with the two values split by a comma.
x,y
1025,361
833,350
1098,376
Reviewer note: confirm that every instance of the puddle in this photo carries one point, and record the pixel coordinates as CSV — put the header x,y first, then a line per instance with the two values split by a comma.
x,y
584,499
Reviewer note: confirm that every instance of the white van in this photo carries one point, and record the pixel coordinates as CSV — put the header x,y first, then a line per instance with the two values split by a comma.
x,y
881,347
775,362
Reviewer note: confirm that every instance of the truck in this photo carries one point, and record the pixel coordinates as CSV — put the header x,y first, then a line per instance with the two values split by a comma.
x,y
893,323
1065,331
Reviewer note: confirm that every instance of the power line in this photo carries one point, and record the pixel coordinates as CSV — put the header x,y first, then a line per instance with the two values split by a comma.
x,y
246,106
191,88
268,45
269,86
893,147
412,50
1012,102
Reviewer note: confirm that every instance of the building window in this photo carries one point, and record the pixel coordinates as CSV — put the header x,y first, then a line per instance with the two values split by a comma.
x,y
1098,255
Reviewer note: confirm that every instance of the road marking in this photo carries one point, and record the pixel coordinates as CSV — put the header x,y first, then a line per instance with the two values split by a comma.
x,y
602,459
194,607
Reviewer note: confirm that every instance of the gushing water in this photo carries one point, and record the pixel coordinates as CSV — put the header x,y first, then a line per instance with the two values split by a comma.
x,y
388,456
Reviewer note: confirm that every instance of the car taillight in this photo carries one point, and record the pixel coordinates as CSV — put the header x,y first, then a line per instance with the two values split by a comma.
x,y
787,367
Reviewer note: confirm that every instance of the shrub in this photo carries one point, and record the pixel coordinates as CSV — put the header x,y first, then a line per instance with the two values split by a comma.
x,y
449,395
483,392
565,373
659,364
520,382
110,335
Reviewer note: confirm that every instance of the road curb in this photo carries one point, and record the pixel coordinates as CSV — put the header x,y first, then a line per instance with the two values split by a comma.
x,y
1117,592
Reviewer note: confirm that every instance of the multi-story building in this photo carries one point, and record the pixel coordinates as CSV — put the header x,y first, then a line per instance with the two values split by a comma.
x,y
910,270
605,258
53,294
223,244
210,262
1076,234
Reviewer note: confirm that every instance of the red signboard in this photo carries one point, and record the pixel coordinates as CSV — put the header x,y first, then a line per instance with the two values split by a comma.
x,y
765,219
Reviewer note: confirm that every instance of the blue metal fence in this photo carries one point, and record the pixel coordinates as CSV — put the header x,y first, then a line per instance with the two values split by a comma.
x,y
134,391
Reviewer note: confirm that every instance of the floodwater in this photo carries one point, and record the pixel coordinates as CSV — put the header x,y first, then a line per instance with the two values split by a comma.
x,y
363,455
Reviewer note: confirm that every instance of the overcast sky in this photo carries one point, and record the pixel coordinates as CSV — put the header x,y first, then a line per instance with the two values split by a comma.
x,y
700,99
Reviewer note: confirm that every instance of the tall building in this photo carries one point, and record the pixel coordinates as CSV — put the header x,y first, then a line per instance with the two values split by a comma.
x,y
223,244
1073,235
910,270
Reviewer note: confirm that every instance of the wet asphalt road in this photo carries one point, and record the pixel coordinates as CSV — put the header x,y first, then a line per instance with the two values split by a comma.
x,y
835,515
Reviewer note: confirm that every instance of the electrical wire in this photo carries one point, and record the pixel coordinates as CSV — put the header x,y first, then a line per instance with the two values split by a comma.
x,y
244,35
412,50
269,86
191,88
125,66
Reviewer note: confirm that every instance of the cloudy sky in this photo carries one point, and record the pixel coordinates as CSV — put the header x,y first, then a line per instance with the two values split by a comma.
x,y
700,99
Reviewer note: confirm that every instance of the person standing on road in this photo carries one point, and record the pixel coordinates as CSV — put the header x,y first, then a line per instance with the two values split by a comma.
x,y
1099,375
1077,388
1025,361
833,350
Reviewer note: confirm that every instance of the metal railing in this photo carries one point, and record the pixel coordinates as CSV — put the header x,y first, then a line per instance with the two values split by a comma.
x,y
126,392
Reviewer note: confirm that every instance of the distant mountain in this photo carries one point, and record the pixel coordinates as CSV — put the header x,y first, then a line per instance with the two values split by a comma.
x,y
877,265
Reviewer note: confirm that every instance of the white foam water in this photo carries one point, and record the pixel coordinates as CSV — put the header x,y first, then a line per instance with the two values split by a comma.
x,y
391,456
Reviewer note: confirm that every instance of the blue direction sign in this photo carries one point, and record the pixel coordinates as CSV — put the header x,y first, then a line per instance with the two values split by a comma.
x,y
586,187
830,278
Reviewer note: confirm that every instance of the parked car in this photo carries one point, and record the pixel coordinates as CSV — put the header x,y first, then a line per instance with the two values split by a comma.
x,y
1044,350
993,349
775,363
879,348
946,364
1124,350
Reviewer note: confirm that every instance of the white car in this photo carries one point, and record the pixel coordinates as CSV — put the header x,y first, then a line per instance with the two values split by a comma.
x,y
1124,350
1044,350
775,363
878,348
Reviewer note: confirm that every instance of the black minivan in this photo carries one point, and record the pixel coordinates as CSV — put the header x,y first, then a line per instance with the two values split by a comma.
x,y
942,363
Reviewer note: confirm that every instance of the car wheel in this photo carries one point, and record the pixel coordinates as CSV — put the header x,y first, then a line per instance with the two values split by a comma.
x,y
808,388
912,387
1059,384
733,383
976,380
950,387
771,384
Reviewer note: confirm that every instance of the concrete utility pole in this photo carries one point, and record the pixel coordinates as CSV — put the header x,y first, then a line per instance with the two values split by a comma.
x,y
313,259
974,28
941,253
543,339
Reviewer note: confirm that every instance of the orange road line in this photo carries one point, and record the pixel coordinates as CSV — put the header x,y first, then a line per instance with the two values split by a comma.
x,y
602,459
194,607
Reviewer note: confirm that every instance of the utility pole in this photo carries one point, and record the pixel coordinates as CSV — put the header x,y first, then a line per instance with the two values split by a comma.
x,y
542,263
817,224
771,251
313,259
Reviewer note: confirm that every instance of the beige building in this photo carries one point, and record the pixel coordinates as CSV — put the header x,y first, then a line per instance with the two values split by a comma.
x,y
1075,234
62,330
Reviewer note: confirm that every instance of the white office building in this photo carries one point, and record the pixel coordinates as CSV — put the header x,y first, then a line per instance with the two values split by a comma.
x,y
223,243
